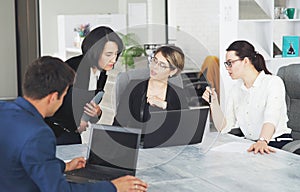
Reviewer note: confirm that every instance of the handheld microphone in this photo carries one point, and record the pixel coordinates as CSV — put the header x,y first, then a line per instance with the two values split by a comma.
x,y
96,99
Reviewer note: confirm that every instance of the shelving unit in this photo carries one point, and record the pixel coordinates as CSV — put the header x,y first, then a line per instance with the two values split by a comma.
x,y
253,20
67,23
264,29
257,32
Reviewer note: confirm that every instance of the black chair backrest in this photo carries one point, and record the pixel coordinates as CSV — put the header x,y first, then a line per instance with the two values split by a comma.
x,y
194,87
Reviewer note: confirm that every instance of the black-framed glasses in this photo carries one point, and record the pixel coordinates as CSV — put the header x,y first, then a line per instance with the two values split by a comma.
x,y
162,65
229,63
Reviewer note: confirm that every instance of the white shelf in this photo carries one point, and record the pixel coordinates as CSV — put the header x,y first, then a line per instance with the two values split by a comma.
x,y
287,59
73,50
268,20
67,23
255,20
287,20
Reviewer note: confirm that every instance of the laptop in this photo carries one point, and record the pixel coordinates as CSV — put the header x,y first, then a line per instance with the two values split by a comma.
x,y
112,153
173,128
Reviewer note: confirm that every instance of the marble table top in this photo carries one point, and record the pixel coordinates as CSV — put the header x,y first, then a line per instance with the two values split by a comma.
x,y
219,163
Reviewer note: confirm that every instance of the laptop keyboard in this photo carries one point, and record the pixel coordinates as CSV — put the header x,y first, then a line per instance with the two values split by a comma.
x,y
91,173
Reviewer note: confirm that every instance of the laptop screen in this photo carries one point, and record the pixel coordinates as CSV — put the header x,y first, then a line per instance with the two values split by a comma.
x,y
113,146
177,127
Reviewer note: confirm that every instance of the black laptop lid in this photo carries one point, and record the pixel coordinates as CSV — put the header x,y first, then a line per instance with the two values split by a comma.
x,y
177,127
114,147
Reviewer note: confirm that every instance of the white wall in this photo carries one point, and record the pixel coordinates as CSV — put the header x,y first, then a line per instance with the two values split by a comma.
x,y
8,63
156,16
49,9
200,20
156,11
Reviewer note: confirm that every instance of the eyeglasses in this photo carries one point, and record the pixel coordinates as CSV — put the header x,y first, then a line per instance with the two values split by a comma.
x,y
229,63
162,65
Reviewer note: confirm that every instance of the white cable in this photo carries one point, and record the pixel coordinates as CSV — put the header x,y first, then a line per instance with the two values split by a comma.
x,y
211,145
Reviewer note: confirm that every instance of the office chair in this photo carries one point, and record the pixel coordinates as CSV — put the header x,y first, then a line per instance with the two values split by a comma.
x,y
195,83
194,87
290,75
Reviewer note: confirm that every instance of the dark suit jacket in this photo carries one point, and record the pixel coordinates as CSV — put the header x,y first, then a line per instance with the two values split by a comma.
x,y
65,121
133,108
28,147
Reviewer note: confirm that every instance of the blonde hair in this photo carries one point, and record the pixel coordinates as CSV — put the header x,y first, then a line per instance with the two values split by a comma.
x,y
174,55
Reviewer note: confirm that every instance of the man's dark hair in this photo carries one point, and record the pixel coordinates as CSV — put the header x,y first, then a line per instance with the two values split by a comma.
x,y
46,75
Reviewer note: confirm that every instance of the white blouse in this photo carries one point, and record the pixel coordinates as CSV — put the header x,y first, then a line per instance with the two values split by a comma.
x,y
250,108
93,79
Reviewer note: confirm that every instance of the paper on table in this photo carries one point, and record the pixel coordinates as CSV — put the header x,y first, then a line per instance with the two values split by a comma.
x,y
66,153
233,147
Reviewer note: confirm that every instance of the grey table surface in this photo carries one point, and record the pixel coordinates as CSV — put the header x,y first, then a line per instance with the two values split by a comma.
x,y
219,163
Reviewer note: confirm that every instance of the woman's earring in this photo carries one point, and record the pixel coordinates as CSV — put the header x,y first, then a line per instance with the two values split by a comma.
x,y
170,75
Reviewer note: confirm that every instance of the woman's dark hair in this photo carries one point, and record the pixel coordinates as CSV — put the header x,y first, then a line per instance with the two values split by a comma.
x,y
92,48
94,43
244,49
46,75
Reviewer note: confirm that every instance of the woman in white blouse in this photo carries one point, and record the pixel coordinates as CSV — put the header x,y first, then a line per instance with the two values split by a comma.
x,y
256,103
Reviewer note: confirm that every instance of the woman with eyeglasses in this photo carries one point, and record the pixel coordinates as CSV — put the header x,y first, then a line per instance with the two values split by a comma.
x,y
154,93
256,103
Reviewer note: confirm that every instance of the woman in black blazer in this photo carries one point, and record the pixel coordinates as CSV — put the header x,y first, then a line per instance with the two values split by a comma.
x,y
100,51
143,96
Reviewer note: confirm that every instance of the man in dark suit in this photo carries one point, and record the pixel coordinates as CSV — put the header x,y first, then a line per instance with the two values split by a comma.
x,y
27,144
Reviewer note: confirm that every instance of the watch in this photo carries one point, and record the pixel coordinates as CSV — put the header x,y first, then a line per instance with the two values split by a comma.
x,y
263,139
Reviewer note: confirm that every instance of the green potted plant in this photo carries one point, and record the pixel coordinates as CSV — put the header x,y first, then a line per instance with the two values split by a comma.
x,y
132,49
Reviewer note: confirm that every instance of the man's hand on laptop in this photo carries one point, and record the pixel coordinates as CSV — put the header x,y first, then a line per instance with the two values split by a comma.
x,y
129,183
75,163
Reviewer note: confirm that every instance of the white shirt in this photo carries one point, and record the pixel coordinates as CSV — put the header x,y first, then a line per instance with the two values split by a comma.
x,y
263,103
93,79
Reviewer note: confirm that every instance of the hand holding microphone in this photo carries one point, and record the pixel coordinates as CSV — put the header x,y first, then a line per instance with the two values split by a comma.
x,y
210,95
92,109
82,127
